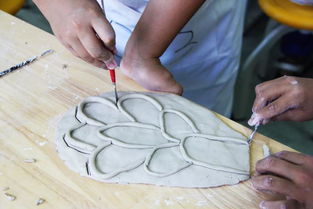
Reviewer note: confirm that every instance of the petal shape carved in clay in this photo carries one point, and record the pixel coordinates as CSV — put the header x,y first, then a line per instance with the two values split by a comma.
x,y
77,143
83,138
175,125
165,160
113,161
132,135
140,108
218,153
88,111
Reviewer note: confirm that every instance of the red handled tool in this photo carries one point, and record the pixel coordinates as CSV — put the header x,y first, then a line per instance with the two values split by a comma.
x,y
113,79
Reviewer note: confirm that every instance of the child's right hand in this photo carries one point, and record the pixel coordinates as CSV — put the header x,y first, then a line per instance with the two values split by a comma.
x,y
82,28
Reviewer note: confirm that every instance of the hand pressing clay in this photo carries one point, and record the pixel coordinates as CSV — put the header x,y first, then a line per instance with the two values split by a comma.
x,y
151,138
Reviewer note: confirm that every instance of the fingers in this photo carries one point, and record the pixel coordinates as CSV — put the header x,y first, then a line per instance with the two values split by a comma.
x,y
266,92
286,173
285,204
288,115
277,166
269,91
275,98
294,114
94,46
105,32
78,50
277,107
293,157
300,159
276,184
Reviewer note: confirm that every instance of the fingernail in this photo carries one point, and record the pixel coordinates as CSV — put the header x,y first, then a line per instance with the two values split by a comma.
x,y
250,122
111,64
253,120
262,205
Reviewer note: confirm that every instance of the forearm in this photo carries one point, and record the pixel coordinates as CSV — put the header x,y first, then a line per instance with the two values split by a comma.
x,y
158,26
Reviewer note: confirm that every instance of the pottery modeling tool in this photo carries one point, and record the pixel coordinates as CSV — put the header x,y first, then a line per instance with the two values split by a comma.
x,y
253,133
113,79
27,62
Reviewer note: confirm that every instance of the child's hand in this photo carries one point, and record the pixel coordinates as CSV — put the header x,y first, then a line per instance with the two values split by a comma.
x,y
82,27
150,73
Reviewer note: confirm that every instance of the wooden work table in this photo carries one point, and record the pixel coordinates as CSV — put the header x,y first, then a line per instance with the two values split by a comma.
x,y
34,98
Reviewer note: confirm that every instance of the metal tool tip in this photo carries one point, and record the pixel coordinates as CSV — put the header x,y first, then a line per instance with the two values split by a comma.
x,y
253,133
115,94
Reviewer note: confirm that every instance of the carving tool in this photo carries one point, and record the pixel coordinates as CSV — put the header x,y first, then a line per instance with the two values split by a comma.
x,y
113,79
253,133
27,62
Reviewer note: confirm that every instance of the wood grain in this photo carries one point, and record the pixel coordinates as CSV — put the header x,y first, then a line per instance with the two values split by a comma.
x,y
31,102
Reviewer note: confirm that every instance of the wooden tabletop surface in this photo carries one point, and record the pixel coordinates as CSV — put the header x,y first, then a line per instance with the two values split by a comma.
x,y
34,98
